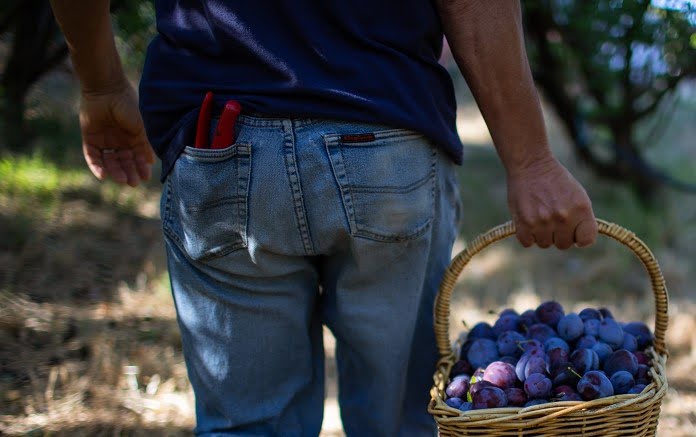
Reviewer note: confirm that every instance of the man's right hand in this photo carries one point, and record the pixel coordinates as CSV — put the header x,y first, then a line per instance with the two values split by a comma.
x,y
113,136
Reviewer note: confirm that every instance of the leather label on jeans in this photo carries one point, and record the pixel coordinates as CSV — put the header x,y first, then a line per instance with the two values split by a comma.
x,y
357,138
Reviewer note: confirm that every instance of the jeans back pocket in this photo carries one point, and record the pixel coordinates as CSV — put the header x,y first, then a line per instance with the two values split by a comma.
x,y
204,206
387,182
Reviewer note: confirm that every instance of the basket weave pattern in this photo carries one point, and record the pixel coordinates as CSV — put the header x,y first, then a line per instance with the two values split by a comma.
x,y
621,415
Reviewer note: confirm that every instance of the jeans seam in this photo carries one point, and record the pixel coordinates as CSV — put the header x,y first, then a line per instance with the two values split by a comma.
x,y
243,187
296,187
341,182
166,219
387,189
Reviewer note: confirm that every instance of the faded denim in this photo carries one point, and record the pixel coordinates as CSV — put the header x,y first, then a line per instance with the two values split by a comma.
x,y
305,222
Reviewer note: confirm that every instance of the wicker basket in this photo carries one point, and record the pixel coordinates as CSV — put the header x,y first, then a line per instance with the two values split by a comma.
x,y
622,415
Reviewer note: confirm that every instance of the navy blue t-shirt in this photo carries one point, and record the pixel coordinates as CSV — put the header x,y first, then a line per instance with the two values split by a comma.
x,y
373,61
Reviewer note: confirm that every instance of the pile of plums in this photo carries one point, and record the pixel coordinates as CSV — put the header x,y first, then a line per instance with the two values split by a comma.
x,y
545,355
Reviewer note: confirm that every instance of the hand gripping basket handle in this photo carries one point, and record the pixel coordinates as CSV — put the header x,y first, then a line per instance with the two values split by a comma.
x,y
618,233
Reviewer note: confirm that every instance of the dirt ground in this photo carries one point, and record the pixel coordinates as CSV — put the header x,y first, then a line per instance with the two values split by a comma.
x,y
88,338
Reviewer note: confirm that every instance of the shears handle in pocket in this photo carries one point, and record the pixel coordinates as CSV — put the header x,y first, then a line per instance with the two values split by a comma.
x,y
224,132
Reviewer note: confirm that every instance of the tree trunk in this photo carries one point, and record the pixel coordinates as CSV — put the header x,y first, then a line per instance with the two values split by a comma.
x,y
630,165
14,125
36,48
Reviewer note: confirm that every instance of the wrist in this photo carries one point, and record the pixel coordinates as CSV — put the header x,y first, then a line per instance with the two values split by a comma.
x,y
103,77
104,86
537,161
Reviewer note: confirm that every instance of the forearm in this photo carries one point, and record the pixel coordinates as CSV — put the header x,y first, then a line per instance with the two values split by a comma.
x,y
487,42
88,32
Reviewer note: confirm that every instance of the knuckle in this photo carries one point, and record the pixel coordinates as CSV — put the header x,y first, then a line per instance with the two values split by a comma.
x,y
544,217
561,215
523,221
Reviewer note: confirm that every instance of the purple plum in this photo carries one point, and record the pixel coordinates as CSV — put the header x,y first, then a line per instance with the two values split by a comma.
x,y
556,342
622,382
621,360
458,387
508,343
590,313
594,385
586,342
461,367
454,402
591,327
641,332
606,314
482,352
516,396
603,351
489,397
611,333
550,313
500,374
482,330
540,332
584,360
466,406
637,389
537,386
570,327
505,323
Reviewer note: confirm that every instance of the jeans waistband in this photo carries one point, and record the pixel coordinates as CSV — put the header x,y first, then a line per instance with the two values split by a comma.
x,y
264,120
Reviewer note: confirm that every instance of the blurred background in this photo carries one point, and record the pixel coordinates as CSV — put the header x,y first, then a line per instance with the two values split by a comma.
x,y
88,337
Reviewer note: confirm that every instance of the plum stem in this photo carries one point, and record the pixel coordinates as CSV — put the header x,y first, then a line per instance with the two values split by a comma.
x,y
574,372
519,343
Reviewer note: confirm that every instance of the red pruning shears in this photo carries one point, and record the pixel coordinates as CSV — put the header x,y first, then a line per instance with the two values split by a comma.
x,y
224,132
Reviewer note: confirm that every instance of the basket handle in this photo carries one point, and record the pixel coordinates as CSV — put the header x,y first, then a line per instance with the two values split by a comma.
x,y
618,233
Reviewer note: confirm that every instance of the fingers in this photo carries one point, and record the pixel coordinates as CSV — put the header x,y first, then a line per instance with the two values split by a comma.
x,y
95,162
563,238
126,160
586,233
144,158
113,165
562,234
543,231
524,236
143,167
124,165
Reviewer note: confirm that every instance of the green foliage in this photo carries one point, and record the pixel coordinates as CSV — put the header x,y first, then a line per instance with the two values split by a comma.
x,y
30,192
134,26
37,178
620,57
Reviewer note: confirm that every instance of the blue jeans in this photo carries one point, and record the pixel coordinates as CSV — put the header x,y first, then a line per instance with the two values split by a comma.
x,y
305,222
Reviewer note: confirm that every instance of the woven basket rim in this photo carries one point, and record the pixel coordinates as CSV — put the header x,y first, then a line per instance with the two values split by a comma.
x,y
517,418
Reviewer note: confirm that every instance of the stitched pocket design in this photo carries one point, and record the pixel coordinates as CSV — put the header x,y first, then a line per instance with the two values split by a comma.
x,y
205,211
387,182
